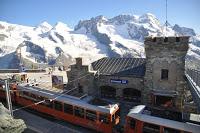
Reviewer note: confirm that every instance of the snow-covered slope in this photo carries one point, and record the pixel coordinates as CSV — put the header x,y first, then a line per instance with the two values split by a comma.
x,y
120,36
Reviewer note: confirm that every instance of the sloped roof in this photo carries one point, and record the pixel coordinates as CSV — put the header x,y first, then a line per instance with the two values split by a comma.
x,y
120,66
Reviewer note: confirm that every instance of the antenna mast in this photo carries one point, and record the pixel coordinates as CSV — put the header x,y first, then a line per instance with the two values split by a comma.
x,y
166,23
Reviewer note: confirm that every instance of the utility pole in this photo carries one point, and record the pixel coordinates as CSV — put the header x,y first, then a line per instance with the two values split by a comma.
x,y
8,97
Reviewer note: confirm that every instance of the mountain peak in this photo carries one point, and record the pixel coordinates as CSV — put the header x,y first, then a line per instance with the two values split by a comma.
x,y
60,26
46,24
99,18
184,30
43,27
145,18
123,18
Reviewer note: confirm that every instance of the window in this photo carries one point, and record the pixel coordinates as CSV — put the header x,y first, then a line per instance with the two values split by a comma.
x,y
40,98
33,97
68,108
57,105
177,39
150,128
26,93
165,39
154,39
79,112
103,118
1,87
164,74
132,123
113,117
48,103
91,115
170,130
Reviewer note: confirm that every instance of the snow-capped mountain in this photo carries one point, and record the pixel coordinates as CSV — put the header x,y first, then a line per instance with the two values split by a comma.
x,y
120,36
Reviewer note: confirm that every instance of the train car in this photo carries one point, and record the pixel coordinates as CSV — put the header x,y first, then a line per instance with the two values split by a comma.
x,y
83,112
142,119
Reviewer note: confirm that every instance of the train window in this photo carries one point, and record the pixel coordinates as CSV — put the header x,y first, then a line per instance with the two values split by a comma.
x,y
79,112
68,108
48,103
1,87
34,97
26,93
103,118
40,98
170,130
57,105
91,115
113,117
132,123
150,128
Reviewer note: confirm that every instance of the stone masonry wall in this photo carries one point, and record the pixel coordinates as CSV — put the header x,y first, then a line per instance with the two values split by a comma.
x,y
133,82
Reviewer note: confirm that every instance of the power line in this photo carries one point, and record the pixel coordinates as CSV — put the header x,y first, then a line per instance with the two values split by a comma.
x,y
50,99
53,98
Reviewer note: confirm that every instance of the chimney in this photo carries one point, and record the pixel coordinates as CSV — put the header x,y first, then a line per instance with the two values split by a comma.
x,y
79,61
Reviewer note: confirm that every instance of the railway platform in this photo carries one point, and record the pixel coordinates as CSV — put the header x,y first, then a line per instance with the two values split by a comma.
x,y
37,124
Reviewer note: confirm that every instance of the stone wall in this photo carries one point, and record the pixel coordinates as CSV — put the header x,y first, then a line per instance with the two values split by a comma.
x,y
133,82
165,53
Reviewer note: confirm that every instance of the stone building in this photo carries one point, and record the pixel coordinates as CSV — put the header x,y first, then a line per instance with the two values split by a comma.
x,y
164,81
158,80
119,78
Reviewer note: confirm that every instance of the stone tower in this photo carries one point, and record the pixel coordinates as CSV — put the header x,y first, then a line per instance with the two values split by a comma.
x,y
164,79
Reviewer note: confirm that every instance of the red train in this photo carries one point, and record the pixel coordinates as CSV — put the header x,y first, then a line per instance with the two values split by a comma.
x,y
140,119
80,112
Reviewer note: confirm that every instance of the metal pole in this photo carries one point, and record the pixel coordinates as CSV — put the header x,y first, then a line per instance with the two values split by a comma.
x,y
166,23
8,97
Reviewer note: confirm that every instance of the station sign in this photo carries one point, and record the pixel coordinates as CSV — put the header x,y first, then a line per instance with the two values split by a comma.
x,y
119,81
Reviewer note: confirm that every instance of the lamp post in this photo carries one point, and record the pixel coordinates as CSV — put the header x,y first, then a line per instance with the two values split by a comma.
x,y
8,97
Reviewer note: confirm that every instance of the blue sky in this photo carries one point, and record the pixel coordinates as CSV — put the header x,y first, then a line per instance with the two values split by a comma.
x,y
32,12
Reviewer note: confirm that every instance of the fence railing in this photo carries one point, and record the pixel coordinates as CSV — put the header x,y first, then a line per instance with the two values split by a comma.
x,y
194,75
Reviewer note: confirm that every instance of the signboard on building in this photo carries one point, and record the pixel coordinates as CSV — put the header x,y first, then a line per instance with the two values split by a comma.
x,y
119,81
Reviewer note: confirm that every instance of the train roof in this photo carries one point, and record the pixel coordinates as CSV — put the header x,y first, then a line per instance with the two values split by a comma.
x,y
110,108
138,112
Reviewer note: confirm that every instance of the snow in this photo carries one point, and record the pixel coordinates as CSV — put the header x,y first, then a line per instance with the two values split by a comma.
x,y
192,50
8,124
125,33
43,27
61,27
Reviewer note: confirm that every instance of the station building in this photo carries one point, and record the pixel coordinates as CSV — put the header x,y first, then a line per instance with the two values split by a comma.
x,y
157,80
